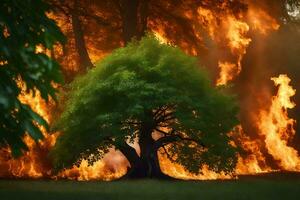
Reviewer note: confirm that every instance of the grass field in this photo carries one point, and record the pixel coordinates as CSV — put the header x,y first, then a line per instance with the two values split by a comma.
x,y
253,187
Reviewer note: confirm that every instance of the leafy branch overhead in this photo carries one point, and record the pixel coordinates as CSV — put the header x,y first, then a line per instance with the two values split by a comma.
x,y
24,25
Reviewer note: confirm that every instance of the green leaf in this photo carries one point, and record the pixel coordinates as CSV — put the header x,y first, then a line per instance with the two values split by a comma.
x,y
32,130
29,26
117,101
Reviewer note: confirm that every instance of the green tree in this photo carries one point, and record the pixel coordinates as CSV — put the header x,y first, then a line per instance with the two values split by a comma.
x,y
24,25
143,89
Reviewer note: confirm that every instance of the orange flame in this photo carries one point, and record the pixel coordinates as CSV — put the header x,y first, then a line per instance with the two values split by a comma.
x,y
233,32
238,41
160,37
112,166
227,72
278,128
255,161
31,163
260,21
178,171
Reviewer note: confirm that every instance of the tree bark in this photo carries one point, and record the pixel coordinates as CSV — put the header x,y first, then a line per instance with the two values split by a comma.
x,y
129,15
147,164
130,153
84,60
143,18
134,15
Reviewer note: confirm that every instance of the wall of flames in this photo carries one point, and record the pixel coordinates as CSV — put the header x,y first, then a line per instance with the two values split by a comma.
x,y
276,129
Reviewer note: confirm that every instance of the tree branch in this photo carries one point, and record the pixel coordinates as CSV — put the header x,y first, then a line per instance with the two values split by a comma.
x,y
129,152
81,12
168,119
169,138
160,111
163,132
156,111
162,118
168,155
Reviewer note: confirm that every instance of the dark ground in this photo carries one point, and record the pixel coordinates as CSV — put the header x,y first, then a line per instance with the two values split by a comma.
x,y
280,186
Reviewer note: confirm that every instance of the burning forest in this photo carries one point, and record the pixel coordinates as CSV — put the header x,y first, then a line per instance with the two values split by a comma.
x,y
249,48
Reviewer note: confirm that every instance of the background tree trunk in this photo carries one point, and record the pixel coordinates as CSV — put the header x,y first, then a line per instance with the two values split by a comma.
x,y
84,59
129,15
134,14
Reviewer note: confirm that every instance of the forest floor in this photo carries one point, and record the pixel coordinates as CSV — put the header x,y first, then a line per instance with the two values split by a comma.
x,y
270,186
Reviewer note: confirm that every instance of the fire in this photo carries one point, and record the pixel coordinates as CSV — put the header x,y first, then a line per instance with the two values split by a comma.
x,y
238,39
260,21
237,30
208,19
278,128
255,161
178,171
227,72
112,166
32,164
237,42
161,38
39,49
230,33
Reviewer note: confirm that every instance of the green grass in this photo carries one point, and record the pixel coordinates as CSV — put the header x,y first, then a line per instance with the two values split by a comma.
x,y
245,188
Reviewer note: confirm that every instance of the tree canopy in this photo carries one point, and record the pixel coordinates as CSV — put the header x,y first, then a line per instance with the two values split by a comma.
x,y
24,25
143,89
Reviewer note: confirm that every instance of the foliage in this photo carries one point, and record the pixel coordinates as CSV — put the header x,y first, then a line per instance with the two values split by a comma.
x,y
148,85
24,25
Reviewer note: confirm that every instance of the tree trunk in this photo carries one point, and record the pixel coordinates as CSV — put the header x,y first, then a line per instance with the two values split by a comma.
x,y
134,14
129,15
147,164
142,18
84,59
